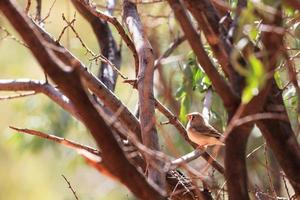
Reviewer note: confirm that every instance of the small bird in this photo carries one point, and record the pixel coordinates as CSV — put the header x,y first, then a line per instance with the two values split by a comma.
x,y
202,133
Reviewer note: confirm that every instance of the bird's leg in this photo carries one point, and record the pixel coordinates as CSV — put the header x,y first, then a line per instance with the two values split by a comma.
x,y
202,147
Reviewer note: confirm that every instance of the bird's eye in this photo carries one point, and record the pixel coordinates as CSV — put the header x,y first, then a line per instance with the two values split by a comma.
x,y
192,117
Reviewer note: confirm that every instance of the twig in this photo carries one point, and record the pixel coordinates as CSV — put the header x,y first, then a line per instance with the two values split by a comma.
x,y
17,96
48,14
63,141
285,186
8,34
118,26
69,184
268,173
255,150
28,6
95,57
186,158
170,49
64,29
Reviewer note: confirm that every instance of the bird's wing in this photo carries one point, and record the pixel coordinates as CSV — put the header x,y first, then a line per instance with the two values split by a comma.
x,y
208,131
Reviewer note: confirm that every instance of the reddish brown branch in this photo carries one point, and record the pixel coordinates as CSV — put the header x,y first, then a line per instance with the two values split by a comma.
x,y
40,87
93,10
145,86
60,140
230,100
208,20
69,82
107,44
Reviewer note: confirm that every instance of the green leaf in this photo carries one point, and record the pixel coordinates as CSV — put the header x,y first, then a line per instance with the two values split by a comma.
x,y
278,79
180,92
255,79
185,105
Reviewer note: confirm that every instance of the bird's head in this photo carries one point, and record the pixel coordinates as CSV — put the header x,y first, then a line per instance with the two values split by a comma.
x,y
195,118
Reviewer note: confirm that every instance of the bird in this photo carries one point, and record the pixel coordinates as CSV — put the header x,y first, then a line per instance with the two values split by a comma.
x,y
201,132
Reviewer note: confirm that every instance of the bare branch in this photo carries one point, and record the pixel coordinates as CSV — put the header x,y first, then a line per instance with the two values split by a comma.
x,y
69,82
229,98
106,42
69,184
93,10
40,87
186,158
145,86
60,140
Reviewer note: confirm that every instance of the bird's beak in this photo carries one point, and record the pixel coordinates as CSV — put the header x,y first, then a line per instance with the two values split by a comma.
x,y
189,116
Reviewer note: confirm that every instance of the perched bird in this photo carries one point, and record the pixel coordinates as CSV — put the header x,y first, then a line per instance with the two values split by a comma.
x,y
202,133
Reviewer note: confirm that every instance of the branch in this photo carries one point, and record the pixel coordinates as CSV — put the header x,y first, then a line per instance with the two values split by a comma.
x,y
93,10
229,98
69,82
178,125
60,140
145,86
107,97
186,158
107,44
208,19
40,87
69,184
169,51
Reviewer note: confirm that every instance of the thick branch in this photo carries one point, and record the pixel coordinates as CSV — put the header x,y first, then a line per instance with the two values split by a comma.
x,y
40,87
107,97
107,44
69,82
145,86
230,100
208,20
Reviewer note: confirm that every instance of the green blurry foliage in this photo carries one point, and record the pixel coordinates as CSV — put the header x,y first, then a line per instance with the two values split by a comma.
x,y
194,80
255,79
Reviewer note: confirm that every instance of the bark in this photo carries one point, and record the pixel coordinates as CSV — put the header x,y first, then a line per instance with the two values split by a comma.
x,y
92,9
279,134
107,45
208,20
69,82
229,98
145,88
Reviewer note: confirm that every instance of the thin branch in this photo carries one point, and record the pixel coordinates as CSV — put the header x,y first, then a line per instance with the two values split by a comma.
x,y
169,51
106,43
226,93
93,10
186,158
69,82
56,139
11,36
40,87
69,184
16,96
48,14
108,98
268,174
